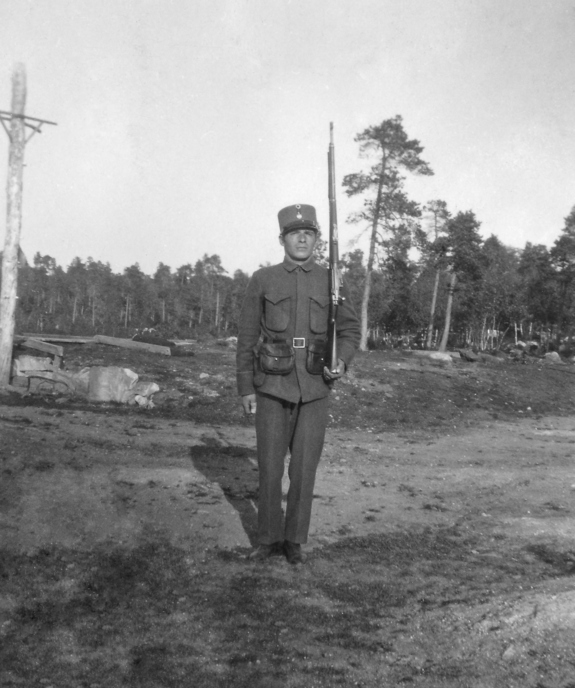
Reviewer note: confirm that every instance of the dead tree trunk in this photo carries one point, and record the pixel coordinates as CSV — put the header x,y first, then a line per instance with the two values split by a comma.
x,y
451,289
432,310
364,317
8,291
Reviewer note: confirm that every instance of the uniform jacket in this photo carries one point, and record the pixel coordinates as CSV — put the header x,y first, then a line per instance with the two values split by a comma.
x,y
285,301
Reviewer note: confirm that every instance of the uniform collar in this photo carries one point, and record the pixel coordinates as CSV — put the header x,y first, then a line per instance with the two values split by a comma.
x,y
290,265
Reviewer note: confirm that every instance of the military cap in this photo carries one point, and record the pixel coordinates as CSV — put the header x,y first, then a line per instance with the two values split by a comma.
x,y
298,216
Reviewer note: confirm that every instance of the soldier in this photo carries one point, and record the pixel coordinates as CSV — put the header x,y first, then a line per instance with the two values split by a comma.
x,y
283,379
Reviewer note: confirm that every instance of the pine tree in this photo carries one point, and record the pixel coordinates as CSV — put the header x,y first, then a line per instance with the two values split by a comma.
x,y
387,210
436,249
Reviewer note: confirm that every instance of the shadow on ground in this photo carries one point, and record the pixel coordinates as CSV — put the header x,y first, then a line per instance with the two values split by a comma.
x,y
234,469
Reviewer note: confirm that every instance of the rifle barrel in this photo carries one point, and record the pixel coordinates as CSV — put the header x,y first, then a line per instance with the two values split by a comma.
x,y
334,279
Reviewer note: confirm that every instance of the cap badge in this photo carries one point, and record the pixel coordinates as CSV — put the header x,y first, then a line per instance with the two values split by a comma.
x,y
299,216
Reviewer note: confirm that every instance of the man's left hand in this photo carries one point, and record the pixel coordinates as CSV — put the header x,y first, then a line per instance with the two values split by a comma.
x,y
334,375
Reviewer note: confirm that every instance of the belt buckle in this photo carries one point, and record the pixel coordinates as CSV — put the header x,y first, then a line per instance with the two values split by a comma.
x,y
299,342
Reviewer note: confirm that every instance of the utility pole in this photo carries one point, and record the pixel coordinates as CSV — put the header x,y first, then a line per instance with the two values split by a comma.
x,y
18,140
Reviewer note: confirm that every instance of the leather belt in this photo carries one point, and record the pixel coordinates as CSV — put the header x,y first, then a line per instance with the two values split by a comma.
x,y
296,342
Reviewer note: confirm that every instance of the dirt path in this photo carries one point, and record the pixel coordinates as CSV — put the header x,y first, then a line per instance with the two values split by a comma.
x,y
80,480
92,477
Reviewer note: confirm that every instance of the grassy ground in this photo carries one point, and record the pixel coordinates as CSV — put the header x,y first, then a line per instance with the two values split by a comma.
x,y
400,608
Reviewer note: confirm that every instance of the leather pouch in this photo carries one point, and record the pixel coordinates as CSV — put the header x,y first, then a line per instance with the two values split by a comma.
x,y
276,358
316,358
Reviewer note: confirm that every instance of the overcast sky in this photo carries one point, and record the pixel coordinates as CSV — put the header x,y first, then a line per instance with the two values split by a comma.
x,y
184,126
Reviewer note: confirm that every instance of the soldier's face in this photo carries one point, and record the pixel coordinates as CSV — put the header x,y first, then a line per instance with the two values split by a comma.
x,y
299,244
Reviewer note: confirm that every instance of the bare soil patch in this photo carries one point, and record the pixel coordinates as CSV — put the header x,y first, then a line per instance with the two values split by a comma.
x,y
441,554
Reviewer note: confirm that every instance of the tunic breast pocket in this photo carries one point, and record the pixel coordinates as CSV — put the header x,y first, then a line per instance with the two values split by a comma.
x,y
318,314
277,312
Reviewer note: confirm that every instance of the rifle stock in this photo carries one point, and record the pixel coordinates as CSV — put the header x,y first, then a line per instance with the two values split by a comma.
x,y
334,276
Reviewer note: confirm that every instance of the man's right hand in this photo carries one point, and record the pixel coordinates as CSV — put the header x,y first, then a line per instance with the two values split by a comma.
x,y
249,403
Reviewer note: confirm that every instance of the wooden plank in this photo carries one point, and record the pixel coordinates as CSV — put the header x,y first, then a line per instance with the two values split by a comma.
x,y
71,339
43,346
131,344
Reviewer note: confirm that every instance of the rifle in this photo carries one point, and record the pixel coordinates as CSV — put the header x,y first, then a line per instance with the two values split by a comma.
x,y
333,270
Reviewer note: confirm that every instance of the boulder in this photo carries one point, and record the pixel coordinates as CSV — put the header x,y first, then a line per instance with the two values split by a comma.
x,y
468,355
440,356
553,357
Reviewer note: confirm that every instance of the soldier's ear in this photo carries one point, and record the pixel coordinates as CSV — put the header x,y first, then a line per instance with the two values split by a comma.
x,y
281,238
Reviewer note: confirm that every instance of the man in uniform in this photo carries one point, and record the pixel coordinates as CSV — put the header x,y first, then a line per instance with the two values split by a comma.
x,y
283,379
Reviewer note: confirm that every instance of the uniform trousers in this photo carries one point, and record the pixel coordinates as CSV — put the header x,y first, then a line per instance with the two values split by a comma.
x,y
299,427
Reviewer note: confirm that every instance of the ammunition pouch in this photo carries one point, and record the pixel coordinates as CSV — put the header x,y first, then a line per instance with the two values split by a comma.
x,y
276,357
316,356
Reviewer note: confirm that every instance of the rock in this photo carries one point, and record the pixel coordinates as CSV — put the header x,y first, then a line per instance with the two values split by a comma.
x,y
432,355
468,355
553,357
440,356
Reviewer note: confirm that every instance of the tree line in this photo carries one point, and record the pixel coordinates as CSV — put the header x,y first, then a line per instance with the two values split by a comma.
x,y
89,298
428,276
431,272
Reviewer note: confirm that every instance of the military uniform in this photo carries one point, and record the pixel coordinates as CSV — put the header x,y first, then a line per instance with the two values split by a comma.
x,y
285,312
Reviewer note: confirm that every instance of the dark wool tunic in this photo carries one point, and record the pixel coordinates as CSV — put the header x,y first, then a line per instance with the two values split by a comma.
x,y
282,302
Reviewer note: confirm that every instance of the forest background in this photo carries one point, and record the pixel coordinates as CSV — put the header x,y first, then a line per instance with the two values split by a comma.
x,y
427,274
